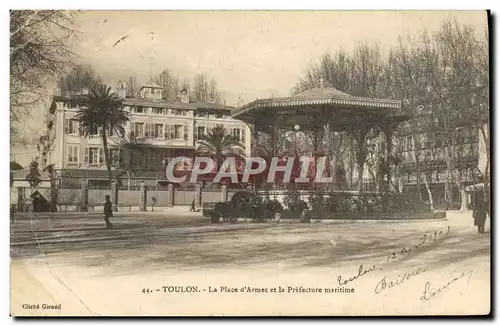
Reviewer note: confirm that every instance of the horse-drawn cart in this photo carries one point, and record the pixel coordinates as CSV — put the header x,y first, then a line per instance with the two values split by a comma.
x,y
243,204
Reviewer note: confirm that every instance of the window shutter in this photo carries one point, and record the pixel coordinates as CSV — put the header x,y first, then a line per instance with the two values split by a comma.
x,y
66,126
186,132
86,158
101,155
242,135
146,131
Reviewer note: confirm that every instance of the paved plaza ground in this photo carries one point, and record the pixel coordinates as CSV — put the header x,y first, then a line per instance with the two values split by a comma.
x,y
70,259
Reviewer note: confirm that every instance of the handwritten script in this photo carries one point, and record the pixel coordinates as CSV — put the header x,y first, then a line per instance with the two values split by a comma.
x,y
388,284
426,239
361,272
429,294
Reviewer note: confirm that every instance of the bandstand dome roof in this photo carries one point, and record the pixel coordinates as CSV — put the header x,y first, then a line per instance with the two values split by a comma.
x,y
317,106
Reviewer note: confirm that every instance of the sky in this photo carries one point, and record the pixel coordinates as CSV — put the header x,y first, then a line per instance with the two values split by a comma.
x,y
251,54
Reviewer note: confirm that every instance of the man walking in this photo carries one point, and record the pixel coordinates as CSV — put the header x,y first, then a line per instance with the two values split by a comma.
x,y
108,212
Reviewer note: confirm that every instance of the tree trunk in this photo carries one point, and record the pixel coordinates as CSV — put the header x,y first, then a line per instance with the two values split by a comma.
x,y
417,166
463,198
448,184
487,147
461,187
431,200
106,155
360,175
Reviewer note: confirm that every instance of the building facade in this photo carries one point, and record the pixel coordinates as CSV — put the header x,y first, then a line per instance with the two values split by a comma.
x,y
424,157
160,130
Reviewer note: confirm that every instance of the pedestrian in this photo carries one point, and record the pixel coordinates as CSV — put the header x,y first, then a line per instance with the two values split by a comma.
x,y
108,212
479,213
193,206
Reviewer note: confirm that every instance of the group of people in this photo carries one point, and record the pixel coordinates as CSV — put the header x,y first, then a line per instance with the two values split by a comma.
x,y
480,204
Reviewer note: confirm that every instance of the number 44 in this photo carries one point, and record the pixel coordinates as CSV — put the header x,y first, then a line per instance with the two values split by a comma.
x,y
146,290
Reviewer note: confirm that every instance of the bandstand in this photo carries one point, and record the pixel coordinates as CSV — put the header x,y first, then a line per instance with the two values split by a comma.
x,y
324,109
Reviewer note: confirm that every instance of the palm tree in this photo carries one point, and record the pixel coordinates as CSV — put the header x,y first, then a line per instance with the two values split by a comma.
x,y
217,144
103,113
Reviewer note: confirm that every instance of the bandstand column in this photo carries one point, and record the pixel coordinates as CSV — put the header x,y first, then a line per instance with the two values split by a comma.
x,y
274,137
388,131
361,151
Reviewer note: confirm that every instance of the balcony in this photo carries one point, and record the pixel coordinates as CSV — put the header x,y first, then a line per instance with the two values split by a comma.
x,y
162,142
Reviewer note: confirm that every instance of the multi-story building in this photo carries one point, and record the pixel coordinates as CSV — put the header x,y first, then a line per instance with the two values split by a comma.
x,y
424,156
160,130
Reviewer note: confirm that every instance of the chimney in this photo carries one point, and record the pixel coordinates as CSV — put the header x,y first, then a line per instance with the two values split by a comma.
x,y
121,89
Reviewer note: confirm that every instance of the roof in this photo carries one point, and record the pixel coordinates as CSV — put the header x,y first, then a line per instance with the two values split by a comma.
x,y
321,92
321,96
151,84
319,103
175,105
153,103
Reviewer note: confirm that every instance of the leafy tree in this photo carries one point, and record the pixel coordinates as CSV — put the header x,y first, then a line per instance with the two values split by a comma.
x,y
170,84
129,151
103,113
205,90
217,144
34,176
14,166
79,78
38,51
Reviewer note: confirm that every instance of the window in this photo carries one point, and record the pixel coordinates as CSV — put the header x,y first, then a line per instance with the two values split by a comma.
x,y
94,155
140,109
238,134
73,153
96,133
71,127
138,129
179,112
200,130
158,132
202,114
159,111
178,132
115,156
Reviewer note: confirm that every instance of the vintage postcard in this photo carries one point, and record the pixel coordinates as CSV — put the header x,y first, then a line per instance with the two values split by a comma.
x,y
249,163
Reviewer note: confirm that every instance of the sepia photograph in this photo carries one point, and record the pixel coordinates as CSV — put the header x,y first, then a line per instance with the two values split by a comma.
x,y
250,163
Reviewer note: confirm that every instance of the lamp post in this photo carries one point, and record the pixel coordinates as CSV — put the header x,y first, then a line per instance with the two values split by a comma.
x,y
296,136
